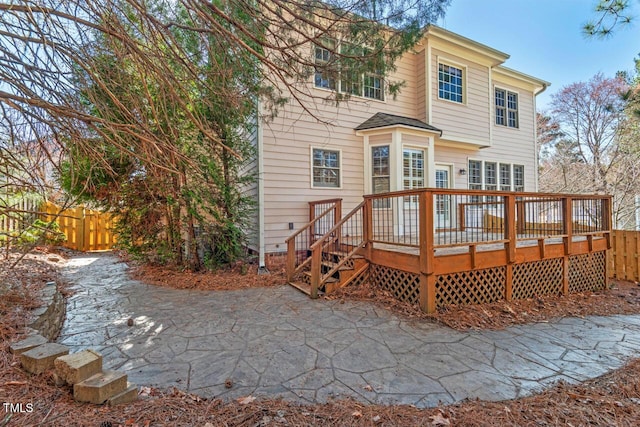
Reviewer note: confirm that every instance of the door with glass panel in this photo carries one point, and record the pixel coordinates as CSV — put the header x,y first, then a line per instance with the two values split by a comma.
x,y
442,202
413,173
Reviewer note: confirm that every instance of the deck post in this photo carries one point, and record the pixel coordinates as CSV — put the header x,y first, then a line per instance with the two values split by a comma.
x,y
427,278
291,258
567,230
316,261
368,227
510,226
337,216
511,237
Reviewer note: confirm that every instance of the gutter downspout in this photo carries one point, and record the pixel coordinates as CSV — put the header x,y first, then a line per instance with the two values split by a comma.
x,y
261,260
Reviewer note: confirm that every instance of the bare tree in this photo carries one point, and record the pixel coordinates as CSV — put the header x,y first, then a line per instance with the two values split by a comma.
x,y
598,151
115,84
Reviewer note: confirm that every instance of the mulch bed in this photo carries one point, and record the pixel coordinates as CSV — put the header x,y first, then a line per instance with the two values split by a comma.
x,y
612,399
621,298
239,276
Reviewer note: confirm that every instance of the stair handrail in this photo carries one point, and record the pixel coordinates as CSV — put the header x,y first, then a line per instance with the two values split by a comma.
x,y
317,278
290,241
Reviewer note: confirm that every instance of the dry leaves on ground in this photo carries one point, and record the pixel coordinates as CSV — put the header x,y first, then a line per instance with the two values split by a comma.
x,y
240,276
613,399
622,298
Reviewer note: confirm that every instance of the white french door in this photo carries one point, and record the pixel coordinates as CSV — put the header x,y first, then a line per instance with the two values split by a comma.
x,y
443,202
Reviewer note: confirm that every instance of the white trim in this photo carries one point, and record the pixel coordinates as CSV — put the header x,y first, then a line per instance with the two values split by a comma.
x,y
395,160
451,166
409,130
465,72
492,103
260,143
340,166
429,91
506,106
366,157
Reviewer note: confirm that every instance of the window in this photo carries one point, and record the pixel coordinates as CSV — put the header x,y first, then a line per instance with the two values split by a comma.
x,y
505,177
490,176
518,177
369,85
380,174
506,108
326,168
323,56
497,176
475,175
373,87
450,83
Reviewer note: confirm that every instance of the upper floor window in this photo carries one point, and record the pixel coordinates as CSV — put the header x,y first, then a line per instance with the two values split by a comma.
x,y
323,56
450,83
368,85
506,108
326,168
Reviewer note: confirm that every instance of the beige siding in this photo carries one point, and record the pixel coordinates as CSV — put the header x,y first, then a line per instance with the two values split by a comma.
x,y
288,140
468,121
516,145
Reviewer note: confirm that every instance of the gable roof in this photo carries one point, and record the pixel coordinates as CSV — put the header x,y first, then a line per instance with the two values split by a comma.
x,y
381,120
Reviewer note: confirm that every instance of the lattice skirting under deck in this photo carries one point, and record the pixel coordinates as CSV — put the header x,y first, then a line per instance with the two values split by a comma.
x,y
537,278
587,272
403,285
471,287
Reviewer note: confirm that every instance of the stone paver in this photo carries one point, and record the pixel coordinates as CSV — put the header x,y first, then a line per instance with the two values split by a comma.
x,y
277,342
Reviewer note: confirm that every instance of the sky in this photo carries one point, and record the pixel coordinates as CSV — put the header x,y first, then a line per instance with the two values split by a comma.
x,y
544,38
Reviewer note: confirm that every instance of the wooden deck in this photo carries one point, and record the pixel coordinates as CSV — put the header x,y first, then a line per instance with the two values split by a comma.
x,y
460,247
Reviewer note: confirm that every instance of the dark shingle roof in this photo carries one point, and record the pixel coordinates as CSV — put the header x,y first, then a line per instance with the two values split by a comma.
x,y
380,120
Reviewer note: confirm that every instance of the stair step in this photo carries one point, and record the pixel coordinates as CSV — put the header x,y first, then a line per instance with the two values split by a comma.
x,y
304,288
77,367
39,359
127,396
343,254
100,387
333,264
327,280
32,341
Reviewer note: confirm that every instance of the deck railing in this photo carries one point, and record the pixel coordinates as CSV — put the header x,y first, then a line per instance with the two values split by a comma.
x,y
299,243
323,225
469,217
341,243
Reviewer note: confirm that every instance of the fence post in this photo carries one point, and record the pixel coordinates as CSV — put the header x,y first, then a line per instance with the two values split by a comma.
x,y
567,230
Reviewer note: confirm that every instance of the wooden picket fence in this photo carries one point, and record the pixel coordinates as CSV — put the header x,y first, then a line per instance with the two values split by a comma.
x,y
624,259
85,229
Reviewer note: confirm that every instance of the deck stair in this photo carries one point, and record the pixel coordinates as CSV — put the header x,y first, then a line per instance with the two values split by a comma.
x,y
335,257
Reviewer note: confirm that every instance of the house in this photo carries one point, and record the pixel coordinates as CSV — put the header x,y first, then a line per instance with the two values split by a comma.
x,y
462,120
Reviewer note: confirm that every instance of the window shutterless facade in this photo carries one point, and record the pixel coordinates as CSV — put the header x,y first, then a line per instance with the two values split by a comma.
x,y
506,108
326,168
450,83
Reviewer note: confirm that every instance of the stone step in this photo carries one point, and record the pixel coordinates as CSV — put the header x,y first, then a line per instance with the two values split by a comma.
x,y
127,396
32,341
77,367
100,387
39,359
